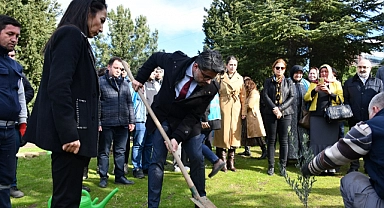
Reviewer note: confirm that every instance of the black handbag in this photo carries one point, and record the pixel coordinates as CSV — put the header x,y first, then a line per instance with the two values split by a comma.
x,y
337,112
304,121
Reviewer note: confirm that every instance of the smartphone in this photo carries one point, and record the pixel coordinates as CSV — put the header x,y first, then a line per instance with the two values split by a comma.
x,y
321,81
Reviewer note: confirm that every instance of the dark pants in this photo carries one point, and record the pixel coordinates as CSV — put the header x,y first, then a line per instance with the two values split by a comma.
x,y
8,137
147,151
67,176
18,141
156,168
119,136
277,127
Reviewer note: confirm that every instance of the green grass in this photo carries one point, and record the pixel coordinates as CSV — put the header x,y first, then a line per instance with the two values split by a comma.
x,y
249,187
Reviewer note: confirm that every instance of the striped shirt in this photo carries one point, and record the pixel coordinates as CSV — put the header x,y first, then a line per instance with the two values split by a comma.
x,y
356,144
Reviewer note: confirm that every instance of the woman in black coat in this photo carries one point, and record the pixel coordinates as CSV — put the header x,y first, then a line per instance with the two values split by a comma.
x,y
64,119
278,97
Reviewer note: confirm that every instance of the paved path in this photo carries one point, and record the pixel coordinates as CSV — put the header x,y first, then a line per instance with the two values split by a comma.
x,y
31,153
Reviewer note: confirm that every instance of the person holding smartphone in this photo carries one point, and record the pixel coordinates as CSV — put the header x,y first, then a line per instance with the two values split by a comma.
x,y
327,91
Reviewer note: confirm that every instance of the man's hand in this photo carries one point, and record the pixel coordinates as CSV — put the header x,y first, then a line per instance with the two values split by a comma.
x,y
72,147
136,85
174,143
131,127
22,128
205,125
305,171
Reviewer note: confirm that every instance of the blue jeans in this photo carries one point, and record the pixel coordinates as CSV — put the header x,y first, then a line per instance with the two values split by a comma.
x,y
8,137
14,183
156,168
212,157
147,151
119,136
138,145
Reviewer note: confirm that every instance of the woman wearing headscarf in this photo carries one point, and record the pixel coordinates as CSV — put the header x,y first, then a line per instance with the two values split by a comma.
x,y
295,137
327,91
232,101
278,96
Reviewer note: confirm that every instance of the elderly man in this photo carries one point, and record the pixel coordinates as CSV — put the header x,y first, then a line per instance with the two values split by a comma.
x,y
358,92
365,140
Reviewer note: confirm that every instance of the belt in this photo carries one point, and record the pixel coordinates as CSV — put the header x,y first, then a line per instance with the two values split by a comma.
x,y
7,123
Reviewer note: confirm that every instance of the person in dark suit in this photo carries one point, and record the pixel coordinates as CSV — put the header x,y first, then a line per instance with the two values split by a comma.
x,y
65,116
186,92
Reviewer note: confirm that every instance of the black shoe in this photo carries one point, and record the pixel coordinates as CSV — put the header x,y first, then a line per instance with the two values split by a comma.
x,y
15,192
271,171
216,167
138,173
86,188
145,172
245,153
103,182
123,180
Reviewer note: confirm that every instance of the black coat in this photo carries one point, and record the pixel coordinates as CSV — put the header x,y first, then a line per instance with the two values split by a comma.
x,y
269,94
358,96
184,115
66,107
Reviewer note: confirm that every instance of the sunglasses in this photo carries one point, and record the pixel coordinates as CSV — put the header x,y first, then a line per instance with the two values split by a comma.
x,y
278,68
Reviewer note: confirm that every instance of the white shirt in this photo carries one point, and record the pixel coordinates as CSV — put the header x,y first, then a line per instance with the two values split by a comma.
x,y
186,78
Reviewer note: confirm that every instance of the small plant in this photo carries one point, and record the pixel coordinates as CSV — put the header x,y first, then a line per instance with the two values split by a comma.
x,y
302,185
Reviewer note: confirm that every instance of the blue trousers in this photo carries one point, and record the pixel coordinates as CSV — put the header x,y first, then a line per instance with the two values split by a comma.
x,y
147,151
212,157
119,136
138,146
156,168
8,137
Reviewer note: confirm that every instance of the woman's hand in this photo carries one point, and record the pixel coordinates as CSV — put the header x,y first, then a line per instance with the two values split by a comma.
x,y
322,87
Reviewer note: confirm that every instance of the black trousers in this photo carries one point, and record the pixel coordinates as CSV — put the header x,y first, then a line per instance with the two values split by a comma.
x,y
67,176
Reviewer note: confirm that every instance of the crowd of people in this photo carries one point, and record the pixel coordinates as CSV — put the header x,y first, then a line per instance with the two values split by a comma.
x,y
201,103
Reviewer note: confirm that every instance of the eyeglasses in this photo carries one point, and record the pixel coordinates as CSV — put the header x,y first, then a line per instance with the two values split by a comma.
x,y
363,67
278,68
205,77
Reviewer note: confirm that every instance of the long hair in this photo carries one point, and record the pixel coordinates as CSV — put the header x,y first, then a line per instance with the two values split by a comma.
x,y
249,85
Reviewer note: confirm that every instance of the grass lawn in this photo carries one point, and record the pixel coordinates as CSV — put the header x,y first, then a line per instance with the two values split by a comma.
x,y
249,187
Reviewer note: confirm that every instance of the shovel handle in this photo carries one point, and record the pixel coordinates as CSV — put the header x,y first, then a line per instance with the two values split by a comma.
x,y
165,136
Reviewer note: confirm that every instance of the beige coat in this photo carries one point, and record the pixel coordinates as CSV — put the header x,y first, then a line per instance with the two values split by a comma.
x,y
232,106
255,126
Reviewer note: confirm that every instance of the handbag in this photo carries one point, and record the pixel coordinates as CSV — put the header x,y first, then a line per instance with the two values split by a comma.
x,y
304,121
337,112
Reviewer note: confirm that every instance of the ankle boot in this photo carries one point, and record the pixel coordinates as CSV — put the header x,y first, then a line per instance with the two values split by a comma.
x,y
271,170
263,152
222,154
231,160
247,151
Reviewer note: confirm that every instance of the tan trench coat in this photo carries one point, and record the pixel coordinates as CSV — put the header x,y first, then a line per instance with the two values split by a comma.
x,y
255,126
232,106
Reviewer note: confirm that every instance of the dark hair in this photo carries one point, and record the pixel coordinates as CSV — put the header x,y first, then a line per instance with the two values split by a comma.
x,y
101,71
249,85
230,58
210,60
7,20
113,59
77,13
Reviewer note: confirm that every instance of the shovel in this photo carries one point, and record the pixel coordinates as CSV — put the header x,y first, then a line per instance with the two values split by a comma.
x,y
202,202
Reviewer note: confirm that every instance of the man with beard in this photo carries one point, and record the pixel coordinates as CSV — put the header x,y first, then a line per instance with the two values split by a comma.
x,y
358,92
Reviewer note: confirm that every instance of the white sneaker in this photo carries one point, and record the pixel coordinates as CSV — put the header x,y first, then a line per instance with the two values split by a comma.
x,y
177,169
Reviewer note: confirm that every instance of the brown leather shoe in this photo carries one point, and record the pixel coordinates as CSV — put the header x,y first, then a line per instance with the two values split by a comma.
x,y
216,167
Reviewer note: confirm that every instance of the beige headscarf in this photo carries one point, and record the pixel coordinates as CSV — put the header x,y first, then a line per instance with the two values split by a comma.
x,y
331,78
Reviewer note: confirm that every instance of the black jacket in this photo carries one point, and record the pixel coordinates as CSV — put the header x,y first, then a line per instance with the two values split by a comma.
x,y
116,102
358,96
184,115
66,107
269,94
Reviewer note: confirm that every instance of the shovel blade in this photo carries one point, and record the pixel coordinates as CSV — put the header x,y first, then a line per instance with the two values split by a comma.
x,y
203,202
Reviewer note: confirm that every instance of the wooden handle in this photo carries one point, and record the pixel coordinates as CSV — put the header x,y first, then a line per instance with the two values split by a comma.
x,y
165,136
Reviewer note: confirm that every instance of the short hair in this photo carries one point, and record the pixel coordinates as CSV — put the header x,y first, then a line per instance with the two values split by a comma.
x,y
77,13
377,100
113,59
101,71
7,20
210,60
